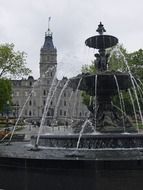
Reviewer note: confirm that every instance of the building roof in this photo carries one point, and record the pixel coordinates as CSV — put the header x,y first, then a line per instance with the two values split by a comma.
x,y
48,43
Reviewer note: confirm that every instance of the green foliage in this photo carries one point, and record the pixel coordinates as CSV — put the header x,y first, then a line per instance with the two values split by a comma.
x,y
135,61
86,98
5,93
12,63
89,68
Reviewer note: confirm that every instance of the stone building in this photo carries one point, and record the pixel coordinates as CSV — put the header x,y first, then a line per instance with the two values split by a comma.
x,y
30,95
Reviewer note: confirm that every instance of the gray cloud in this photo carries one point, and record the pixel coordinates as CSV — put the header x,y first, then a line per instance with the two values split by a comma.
x,y
25,22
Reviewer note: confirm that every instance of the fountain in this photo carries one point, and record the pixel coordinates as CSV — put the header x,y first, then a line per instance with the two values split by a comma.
x,y
106,154
111,127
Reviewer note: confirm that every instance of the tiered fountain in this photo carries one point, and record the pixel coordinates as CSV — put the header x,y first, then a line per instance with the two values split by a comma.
x,y
110,158
112,129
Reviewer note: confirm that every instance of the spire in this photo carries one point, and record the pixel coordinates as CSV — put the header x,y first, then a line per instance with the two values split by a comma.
x,y
48,32
48,43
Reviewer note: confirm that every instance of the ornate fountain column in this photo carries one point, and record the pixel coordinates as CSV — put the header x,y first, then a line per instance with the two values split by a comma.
x,y
108,119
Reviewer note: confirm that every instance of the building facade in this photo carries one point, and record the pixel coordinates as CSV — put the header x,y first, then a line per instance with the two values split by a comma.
x,y
30,96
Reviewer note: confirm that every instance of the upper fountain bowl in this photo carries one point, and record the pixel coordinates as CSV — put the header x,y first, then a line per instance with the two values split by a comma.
x,y
101,41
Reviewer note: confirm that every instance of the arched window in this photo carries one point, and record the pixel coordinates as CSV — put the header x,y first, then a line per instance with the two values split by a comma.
x,y
29,113
44,92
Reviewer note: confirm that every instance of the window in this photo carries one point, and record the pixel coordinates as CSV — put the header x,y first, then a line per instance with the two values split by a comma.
x,y
65,113
47,58
17,93
44,102
30,103
44,92
65,103
30,83
29,113
60,112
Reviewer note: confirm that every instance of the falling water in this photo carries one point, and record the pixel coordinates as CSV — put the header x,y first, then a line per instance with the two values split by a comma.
x,y
121,102
59,98
68,110
95,109
45,110
84,125
139,89
122,98
130,94
49,69
75,97
21,112
133,84
51,98
135,92
23,107
52,95
140,82
81,132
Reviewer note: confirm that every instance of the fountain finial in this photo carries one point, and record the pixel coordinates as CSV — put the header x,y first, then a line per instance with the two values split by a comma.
x,y
101,29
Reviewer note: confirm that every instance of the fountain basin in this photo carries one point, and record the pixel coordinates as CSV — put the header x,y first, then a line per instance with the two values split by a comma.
x,y
56,168
106,84
101,41
91,141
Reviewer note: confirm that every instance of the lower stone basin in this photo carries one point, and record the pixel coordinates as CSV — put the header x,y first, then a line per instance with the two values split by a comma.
x,y
91,141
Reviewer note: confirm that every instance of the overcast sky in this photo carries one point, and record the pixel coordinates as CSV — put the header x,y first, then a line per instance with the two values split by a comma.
x,y
24,23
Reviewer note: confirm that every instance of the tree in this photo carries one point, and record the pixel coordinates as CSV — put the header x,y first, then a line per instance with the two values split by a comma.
x,y
12,63
135,61
5,93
